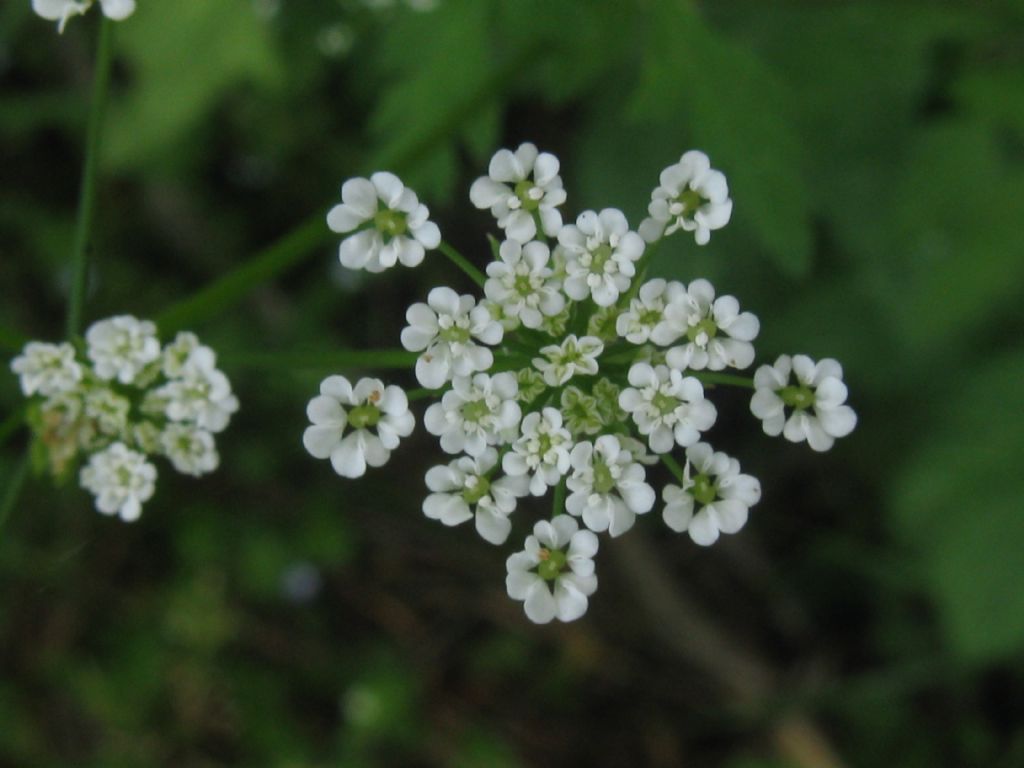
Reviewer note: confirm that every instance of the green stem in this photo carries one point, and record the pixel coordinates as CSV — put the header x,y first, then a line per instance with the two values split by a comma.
x,y
13,491
11,424
463,263
332,360
558,503
87,191
709,377
418,394
674,467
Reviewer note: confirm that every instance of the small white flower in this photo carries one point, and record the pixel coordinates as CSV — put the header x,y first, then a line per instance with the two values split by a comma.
x,y
63,10
573,356
475,412
444,329
47,369
463,490
392,224
201,394
522,283
177,353
108,411
714,498
717,333
667,407
192,451
608,488
581,412
554,574
691,196
122,347
519,185
121,480
645,319
600,253
542,450
374,415
817,401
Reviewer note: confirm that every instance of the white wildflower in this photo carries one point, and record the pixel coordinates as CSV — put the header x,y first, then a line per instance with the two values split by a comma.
x,y
122,347
444,329
714,498
520,185
691,196
645,319
521,282
600,254
542,450
717,333
121,480
202,394
476,412
374,416
667,407
580,411
47,369
607,487
816,400
177,353
464,490
388,222
554,574
108,410
570,358
191,450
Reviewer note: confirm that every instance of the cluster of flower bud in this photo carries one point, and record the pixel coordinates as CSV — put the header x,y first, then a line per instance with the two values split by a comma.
x,y
119,398
572,373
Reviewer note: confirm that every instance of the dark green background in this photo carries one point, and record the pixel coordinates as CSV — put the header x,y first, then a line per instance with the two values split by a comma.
x,y
874,603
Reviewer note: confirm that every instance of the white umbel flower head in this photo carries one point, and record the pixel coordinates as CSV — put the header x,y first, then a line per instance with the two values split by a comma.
x,y
714,498
541,451
444,329
645,319
121,347
717,334
666,406
374,416
476,412
63,10
201,394
816,400
388,222
554,574
47,369
607,487
121,480
690,196
522,283
518,186
464,490
191,450
600,254
570,358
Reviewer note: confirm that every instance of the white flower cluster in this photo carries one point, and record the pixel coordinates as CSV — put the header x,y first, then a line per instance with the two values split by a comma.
x,y
572,374
126,398
63,10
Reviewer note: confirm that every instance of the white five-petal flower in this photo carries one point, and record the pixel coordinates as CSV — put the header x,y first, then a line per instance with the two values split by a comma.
x,y
570,358
47,369
200,394
519,185
444,329
645,319
554,574
690,196
388,222
666,406
191,450
816,400
464,490
714,498
476,412
121,347
608,488
600,254
523,284
374,416
717,333
541,451
121,480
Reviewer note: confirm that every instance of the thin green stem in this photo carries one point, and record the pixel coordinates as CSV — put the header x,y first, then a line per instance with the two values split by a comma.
x,y
463,263
674,467
332,360
12,424
87,191
13,491
709,377
558,503
419,394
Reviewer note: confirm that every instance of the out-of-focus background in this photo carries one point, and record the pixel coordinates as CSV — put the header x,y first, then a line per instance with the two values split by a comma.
x,y
870,614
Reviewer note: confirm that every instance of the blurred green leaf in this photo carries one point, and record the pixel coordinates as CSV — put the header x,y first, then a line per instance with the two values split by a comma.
x,y
958,503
